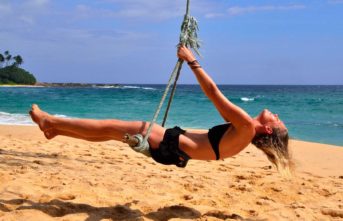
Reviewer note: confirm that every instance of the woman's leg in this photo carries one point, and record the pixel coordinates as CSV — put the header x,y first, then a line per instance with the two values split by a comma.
x,y
98,130
51,133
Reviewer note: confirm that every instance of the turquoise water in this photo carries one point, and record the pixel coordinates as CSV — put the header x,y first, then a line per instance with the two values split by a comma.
x,y
312,113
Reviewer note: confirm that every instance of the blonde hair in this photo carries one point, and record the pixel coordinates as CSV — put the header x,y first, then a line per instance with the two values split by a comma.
x,y
275,146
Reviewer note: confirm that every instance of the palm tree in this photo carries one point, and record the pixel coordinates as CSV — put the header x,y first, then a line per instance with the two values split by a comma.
x,y
18,60
8,57
2,59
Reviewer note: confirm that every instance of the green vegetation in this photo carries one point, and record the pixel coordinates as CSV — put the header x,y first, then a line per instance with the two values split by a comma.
x,y
15,75
11,73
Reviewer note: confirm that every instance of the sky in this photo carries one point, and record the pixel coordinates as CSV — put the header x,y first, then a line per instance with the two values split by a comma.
x,y
134,41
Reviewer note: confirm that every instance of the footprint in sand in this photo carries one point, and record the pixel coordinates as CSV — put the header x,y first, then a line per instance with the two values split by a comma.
x,y
39,162
66,196
98,167
190,187
178,211
44,198
222,169
332,212
241,177
277,189
266,198
187,197
223,215
253,212
168,169
297,205
325,193
262,202
244,187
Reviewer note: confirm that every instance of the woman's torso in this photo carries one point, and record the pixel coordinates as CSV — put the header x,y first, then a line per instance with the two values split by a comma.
x,y
197,145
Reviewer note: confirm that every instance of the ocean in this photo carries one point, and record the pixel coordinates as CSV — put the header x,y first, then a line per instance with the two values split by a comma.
x,y
311,113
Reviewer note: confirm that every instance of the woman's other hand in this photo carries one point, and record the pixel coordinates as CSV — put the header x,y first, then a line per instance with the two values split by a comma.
x,y
185,54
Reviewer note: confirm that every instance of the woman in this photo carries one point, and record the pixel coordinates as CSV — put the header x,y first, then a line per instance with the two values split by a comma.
x,y
176,146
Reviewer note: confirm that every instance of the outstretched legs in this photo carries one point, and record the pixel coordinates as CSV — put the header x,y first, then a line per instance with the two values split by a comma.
x,y
93,130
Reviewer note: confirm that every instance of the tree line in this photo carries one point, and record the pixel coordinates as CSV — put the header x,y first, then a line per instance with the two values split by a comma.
x,y
11,73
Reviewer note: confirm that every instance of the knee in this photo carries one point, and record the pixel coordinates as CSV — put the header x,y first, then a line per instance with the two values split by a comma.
x,y
156,134
142,127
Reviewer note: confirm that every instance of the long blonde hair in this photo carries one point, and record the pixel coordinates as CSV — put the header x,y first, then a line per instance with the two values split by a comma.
x,y
275,146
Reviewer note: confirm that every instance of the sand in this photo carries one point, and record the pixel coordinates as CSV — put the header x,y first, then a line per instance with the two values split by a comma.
x,y
68,179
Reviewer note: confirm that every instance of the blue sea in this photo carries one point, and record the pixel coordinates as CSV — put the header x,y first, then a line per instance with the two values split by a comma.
x,y
312,113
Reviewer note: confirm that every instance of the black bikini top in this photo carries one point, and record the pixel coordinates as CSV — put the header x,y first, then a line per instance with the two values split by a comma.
x,y
215,134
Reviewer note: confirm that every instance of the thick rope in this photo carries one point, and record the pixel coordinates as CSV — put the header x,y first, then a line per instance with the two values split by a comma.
x,y
188,37
172,93
153,121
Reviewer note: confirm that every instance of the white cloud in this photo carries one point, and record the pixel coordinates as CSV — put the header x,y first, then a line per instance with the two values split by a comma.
x,y
237,10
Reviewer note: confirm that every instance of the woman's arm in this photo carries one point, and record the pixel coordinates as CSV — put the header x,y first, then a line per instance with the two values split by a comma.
x,y
229,111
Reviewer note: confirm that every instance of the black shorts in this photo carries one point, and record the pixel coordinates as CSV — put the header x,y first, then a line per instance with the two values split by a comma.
x,y
168,152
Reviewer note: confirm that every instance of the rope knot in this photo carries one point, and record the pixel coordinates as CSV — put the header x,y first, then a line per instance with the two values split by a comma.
x,y
136,142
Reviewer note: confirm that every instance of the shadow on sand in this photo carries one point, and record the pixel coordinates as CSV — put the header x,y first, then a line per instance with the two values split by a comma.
x,y
58,208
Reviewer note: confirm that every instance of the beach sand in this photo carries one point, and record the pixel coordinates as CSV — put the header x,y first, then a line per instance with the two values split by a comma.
x,y
68,179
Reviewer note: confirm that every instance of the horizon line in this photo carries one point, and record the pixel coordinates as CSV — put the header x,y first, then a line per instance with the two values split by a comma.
x,y
238,84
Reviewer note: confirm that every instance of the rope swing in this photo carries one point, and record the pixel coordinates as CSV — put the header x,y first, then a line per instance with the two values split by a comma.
x,y
188,37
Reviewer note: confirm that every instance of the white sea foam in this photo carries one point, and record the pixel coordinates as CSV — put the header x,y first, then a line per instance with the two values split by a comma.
x,y
122,87
148,88
15,119
62,116
106,87
131,87
19,119
137,87
247,99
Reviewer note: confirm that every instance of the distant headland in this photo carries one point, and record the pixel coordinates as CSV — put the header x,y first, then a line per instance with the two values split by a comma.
x,y
11,73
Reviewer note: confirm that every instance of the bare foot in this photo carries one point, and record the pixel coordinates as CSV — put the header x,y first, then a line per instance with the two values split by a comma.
x,y
40,117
